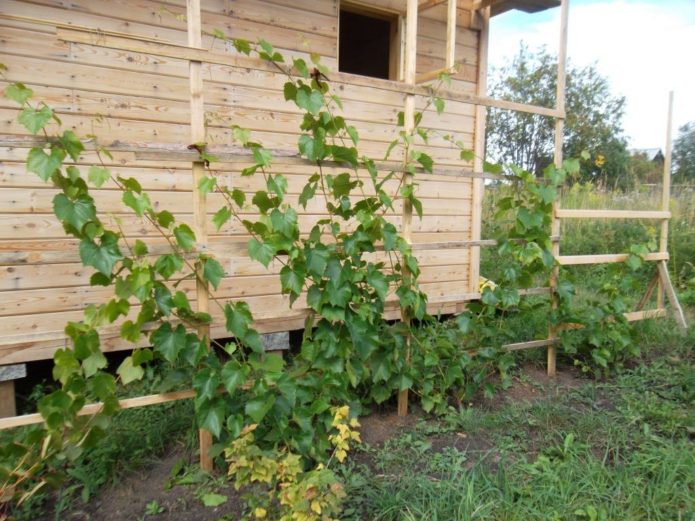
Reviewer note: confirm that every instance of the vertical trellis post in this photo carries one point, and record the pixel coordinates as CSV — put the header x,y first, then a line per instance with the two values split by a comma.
x,y
665,196
559,130
408,126
193,18
478,187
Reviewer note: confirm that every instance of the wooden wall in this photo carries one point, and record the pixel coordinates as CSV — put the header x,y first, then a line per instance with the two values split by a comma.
x,y
134,99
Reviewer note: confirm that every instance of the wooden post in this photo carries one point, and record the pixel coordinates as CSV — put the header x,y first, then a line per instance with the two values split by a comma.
x,y
559,130
409,125
478,190
665,195
7,400
199,199
451,35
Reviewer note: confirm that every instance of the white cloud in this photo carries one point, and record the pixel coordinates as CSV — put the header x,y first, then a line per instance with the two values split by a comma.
x,y
645,49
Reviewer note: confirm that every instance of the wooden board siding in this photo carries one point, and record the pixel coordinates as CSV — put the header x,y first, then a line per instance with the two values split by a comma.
x,y
143,98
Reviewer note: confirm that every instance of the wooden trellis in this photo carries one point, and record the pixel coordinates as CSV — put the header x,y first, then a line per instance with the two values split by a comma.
x,y
198,58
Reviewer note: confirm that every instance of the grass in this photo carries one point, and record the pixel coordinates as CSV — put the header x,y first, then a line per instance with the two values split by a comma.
x,y
136,438
617,449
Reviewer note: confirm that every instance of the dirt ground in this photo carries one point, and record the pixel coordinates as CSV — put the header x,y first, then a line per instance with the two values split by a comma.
x,y
128,499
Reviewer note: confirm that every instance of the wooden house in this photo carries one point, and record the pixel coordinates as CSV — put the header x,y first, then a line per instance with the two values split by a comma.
x,y
127,70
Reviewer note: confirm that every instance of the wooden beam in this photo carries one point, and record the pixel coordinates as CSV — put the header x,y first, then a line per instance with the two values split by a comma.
x,y
631,316
195,40
408,127
653,283
666,193
612,214
559,131
671,294
7,399
428,4
433,75
226,154
451,34
483,18
611,258
126,42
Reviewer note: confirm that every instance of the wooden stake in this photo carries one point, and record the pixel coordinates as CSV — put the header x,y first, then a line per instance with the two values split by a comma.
x,y
671,293
199,202
451,35
559,130
7,399
649,291
665,194
409,125
479,149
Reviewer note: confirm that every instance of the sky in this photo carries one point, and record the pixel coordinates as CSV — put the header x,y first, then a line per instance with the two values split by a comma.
x,y
644,47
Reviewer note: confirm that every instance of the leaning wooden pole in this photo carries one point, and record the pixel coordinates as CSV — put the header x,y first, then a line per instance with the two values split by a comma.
x,y
483,16
665,194
199,200
559,131
409,125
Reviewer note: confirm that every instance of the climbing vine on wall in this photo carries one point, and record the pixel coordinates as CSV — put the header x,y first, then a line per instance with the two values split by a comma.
x,y
281,423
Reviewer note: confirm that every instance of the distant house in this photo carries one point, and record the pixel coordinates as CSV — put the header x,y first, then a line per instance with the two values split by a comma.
x,y
650,154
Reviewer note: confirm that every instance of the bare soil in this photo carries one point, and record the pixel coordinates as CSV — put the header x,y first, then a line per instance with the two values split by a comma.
x,y
128,499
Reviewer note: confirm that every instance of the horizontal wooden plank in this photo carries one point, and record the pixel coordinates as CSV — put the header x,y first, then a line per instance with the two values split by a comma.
x,y
576,260
94,408
565,213
14,175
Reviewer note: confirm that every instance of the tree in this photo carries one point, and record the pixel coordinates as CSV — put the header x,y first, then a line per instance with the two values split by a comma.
x,y
593,123
684,153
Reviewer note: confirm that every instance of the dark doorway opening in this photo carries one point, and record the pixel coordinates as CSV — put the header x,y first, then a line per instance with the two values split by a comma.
x,y
365,45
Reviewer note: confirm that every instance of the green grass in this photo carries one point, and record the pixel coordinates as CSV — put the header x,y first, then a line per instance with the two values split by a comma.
x,y
136,438
619,449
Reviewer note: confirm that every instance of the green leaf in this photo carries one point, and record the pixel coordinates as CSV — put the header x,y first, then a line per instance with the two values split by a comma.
x,y
238,197
139,203
258,407
213,272
103,385
233,375
467,155
98,175
317,259
76,213
43,164
308,193
221,217
492,168
71,144
309,100
210,416
289,91
185,237
238,319
301,67
277,184
18,92
354,136
291,279
207,184
213,499
438,104
261,252
261,156
242,46
167,265
169,342
425,161
102,256
129,372
35,119
93,363
165,218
